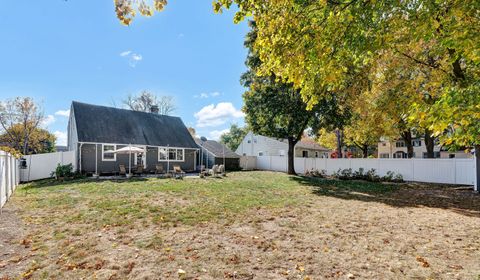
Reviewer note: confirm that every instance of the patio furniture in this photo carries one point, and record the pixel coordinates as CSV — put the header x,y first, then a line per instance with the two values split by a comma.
x,y
139,170
178,172
159,169
123,170
221,169
214,170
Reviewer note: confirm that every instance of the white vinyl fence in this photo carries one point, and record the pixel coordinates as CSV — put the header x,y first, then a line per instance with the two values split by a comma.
x,y
41,166
446,171
9,176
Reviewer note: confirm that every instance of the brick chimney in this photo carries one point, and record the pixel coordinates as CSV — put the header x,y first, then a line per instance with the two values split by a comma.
x,y
154,109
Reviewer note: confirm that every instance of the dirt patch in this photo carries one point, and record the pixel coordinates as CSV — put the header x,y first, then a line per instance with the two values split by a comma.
x,y
15,244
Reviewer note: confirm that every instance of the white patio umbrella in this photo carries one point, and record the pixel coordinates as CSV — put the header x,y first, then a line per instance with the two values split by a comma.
x,y
129,150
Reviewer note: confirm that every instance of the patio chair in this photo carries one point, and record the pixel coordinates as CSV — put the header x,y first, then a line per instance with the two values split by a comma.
x,y
178,172
159,169
214,170
139,170
221,169
123,170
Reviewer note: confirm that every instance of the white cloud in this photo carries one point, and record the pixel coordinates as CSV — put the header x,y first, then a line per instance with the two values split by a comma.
x,y
211,115
63,113
61,138
215,134
133,58
48,120
208,94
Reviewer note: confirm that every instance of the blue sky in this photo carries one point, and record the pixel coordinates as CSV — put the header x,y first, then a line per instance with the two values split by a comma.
x,y
58,51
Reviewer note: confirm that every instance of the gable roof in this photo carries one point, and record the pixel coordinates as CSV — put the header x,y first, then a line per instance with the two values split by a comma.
x,y
311,146
100,124
216,148
305,144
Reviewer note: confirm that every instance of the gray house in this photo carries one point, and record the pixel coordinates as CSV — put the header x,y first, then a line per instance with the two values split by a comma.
x,y
213,152
95,131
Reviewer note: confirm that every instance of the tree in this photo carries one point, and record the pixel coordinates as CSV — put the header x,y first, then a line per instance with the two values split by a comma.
x,y
276,109
126,10
20,118
233,137
40,140
192,131
145,101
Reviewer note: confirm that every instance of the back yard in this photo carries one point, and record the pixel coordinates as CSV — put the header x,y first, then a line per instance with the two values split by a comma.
x,y
255,225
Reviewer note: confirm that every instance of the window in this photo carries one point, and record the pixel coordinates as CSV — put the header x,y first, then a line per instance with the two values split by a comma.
x,y
384,144
249,141
260,154
384,155
400,155
451,155
400,144
316,154
304,153
417,143
162,154
281,153
107,153
172,154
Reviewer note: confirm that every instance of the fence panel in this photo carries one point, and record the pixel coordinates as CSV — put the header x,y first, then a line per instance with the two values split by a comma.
x,y
42,165
8,176
447,171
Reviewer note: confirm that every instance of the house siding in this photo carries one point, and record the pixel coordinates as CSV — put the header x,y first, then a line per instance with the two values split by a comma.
x,y
270,147
87,159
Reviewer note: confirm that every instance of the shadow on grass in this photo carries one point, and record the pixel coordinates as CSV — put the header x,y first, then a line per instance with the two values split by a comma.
x,y
464,202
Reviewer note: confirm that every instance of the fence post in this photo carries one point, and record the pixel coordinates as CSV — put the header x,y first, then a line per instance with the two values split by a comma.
x,y
454,170
413,169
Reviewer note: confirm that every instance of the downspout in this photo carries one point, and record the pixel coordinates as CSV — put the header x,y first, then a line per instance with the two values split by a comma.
x,y
80,158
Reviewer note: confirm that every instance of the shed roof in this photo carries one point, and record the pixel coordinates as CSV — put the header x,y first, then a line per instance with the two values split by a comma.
x,y
217,148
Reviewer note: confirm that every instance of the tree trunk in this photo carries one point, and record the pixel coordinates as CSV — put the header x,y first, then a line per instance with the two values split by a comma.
x,y
407,137
429,144
339,135
291,156
365,151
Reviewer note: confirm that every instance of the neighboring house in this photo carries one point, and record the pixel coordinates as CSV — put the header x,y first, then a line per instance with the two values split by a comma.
x,y
258,145
61,148
94,131
214,152
398,149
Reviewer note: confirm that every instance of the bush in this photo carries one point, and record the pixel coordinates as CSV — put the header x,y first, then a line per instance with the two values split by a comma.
x,y
371,175
63,171
316,173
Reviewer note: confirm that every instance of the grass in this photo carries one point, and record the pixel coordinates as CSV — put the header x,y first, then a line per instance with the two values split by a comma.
x,y
255,225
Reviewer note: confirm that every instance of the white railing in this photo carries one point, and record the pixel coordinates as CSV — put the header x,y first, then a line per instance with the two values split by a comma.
x,y
41,166
445,171
9,176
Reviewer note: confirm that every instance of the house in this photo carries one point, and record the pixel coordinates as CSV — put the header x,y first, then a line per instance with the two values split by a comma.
x,y
95,131
398,149
258,145
213,152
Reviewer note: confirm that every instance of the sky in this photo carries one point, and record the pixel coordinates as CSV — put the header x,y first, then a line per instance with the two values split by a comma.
x,y
59,51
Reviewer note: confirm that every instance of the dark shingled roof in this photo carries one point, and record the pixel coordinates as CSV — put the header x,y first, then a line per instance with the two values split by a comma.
x,y
217,148
100,124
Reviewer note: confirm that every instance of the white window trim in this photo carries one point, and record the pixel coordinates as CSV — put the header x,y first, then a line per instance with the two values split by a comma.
x,y
103,152
168,154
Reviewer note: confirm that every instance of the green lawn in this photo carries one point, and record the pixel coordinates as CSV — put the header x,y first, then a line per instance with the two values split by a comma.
x,y
249,225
